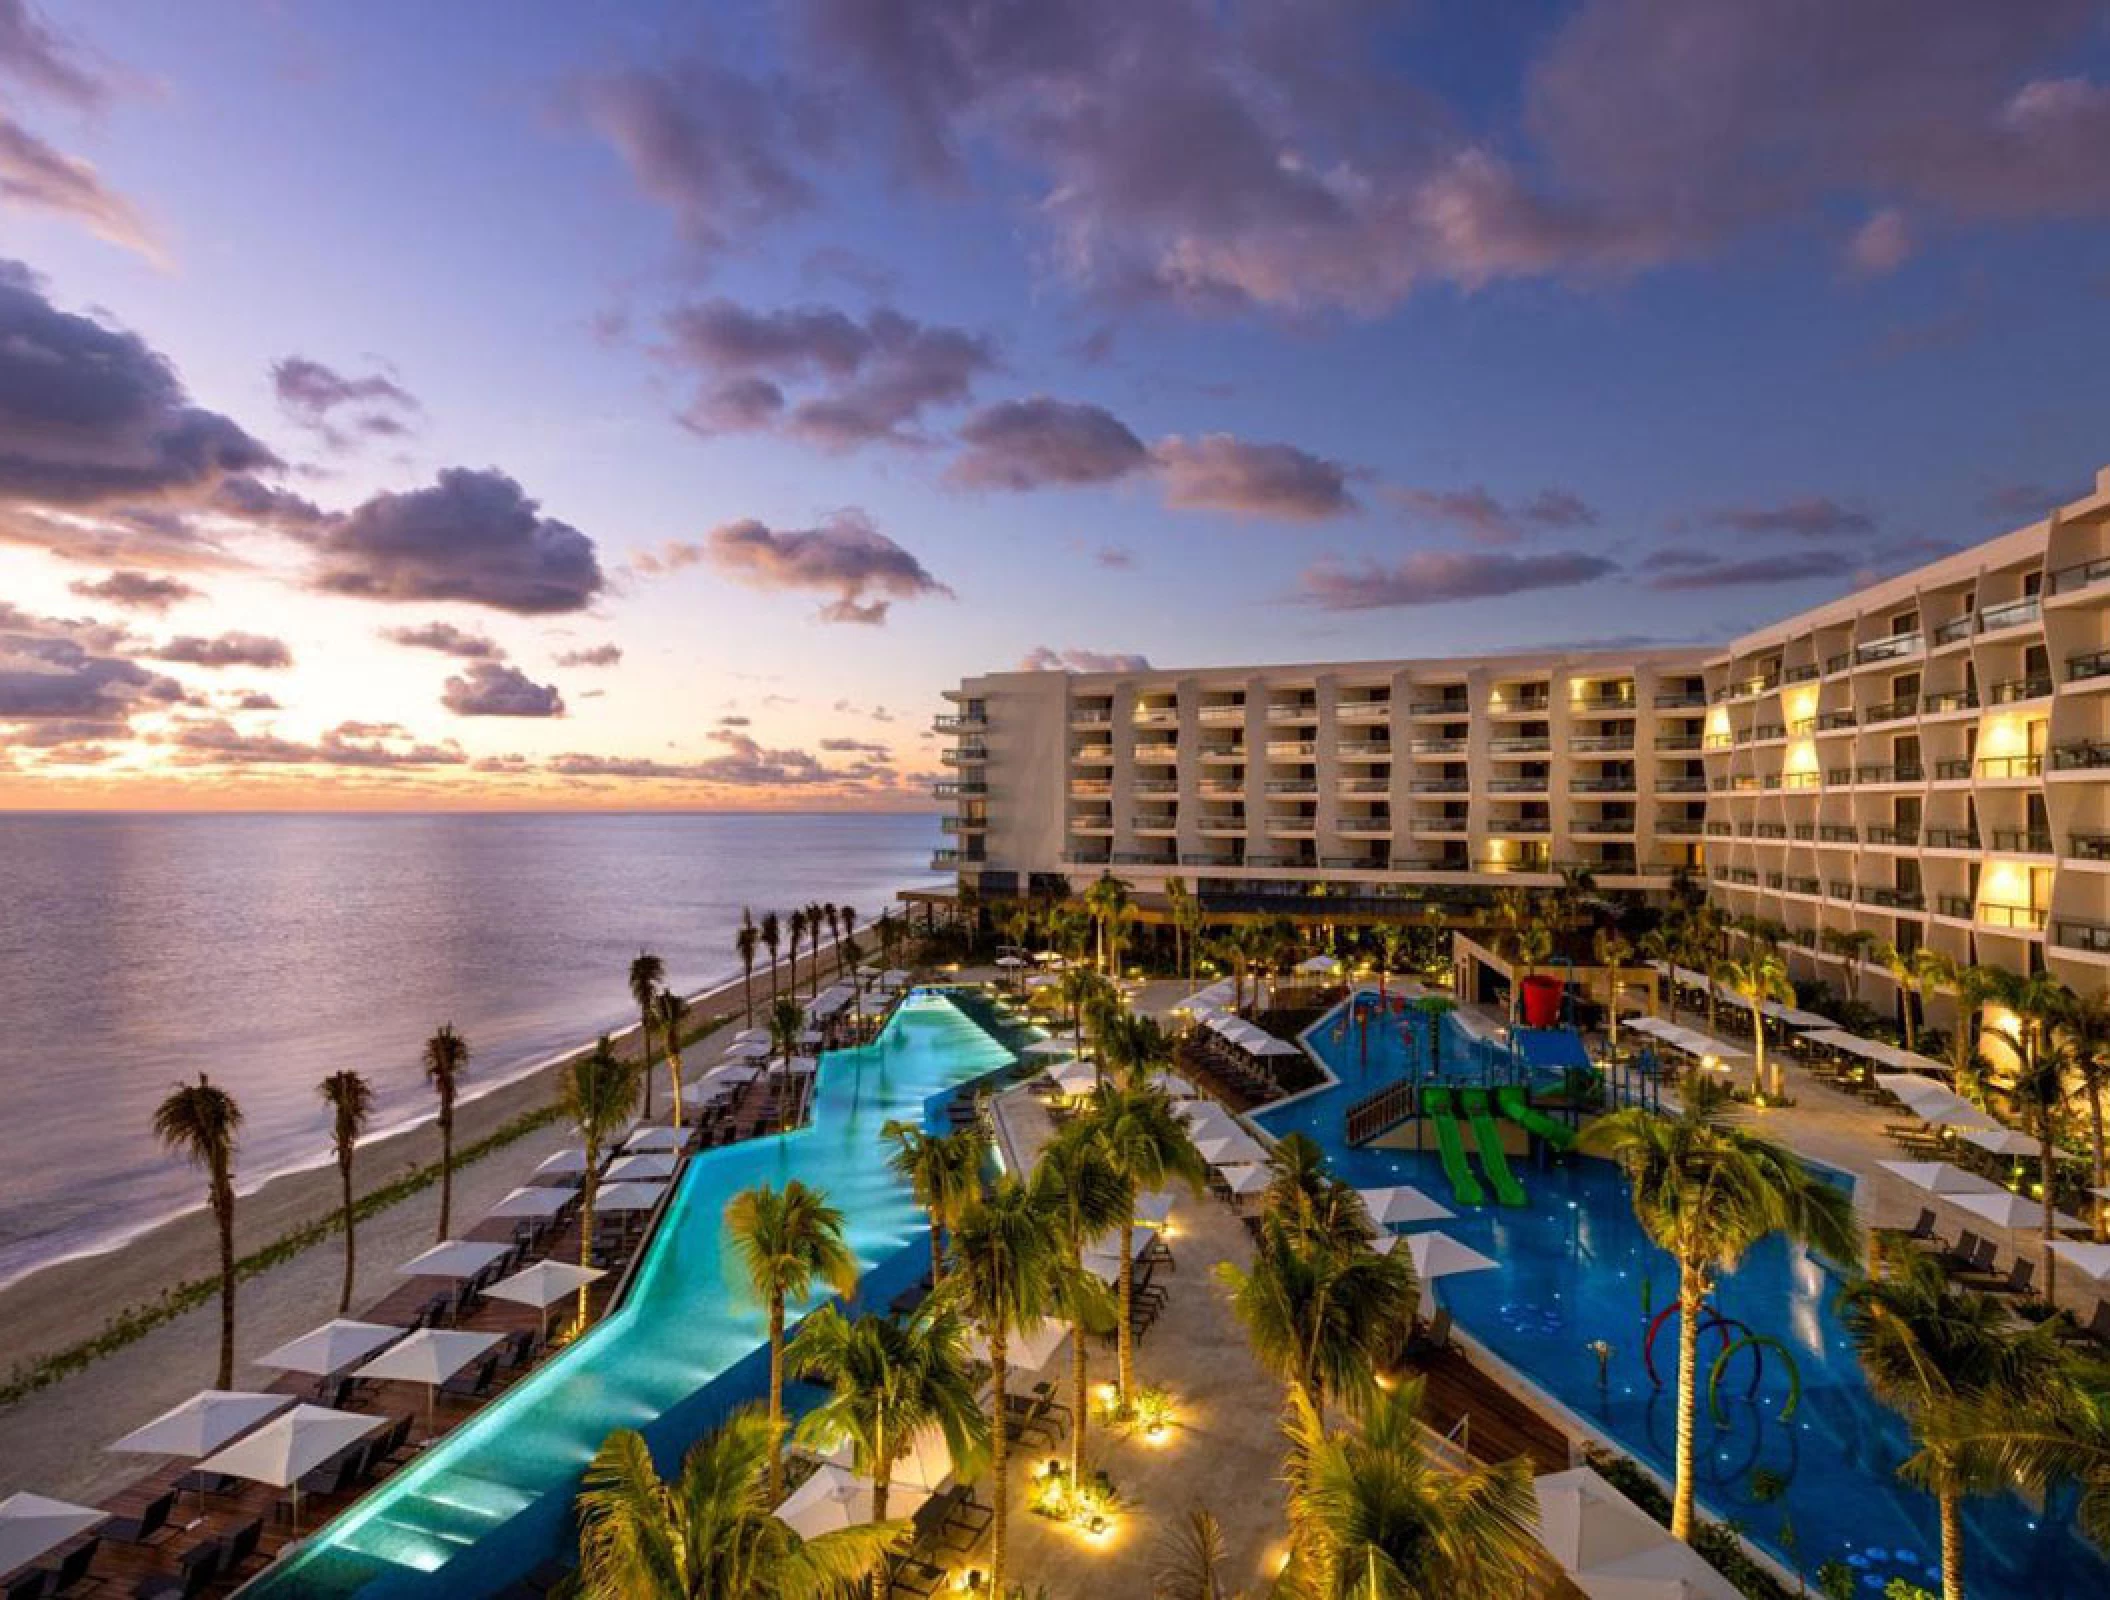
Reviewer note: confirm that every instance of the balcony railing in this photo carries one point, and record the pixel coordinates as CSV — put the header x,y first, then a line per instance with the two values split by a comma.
x,y
2028,918
1602,741
1516,786
1438,786
1835,833
1950,839
950,788
1761,731
2088,847
1896,772
2028,766
1510,747
1677,741
1677,699
1889,711
1954,700
1945,771
965,722
1618,783
1892,899
1363,711
1091,719
1449,706
1289,749
2080,756
1364,750
1234,712
1678,827
1363,786
1801,672
2089,664
1154,786
2012,615
1304,786
2013,689
1950,632
1437,747
1883,833
2080,576
1953,905
1595,826
2094,937
1890,649
968,755
1520,825
1677,783
2023,841
1158,750
1364,825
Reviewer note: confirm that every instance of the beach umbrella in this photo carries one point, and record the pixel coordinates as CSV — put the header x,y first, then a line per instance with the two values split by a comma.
x,y
659,1137
1208,1120
620,1197
1074,1077
568,1163
1402,1205
923,1467
1242,1180
893,977
2093,1260
1154,1210
331,1348
632,1169
2004,1141
745,1035
2012,1211
835,1498
453,1259
1957,1113
429,1356
1027,1352
535,1200
1939,1177
748,1050
1438,1255
1051,1047
731,1076
288,1448
204,1422
1231,1150
544,1285
1318,964
1610,1549
1009,963
31,1524
1173,1084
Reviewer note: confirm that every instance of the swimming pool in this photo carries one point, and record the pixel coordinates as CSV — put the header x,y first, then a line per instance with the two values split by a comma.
x,y
1577,1268
493,1499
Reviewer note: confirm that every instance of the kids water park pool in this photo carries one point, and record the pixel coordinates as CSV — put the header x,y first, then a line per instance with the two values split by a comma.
x,y
1812,1476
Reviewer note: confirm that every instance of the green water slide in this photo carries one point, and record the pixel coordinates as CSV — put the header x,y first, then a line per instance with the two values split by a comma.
x,y
1450,1145
1516,1105
1488,1137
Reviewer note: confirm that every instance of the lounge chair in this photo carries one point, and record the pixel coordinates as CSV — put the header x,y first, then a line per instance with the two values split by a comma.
x,y
2019,1278
141,1528
473,1385
30,1585
1436,1337
195,1568
237,1547
966,1520
73,1565
1922,1230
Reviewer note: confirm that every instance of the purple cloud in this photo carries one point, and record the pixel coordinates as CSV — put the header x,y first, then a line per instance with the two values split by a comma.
x,y
217,742
448,640
1686,570
1812,517
846,555
1029,444
136,591
600,655
490,689
1430,577
1216,472
228,650
1042,658
314,395
1480,516
52,670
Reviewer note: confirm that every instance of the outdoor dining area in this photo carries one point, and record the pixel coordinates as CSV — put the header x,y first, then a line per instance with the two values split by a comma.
x,y
1236,1058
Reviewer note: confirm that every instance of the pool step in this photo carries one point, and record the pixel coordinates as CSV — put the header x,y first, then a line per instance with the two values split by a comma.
x,y
427,1526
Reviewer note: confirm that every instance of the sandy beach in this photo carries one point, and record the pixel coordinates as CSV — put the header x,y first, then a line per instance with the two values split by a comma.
x,y
51,1441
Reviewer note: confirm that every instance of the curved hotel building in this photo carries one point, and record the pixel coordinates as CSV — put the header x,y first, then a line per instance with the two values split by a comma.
x,y
1927,758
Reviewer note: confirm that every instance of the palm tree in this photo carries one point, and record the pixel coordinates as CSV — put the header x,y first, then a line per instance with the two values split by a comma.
x,y
2082,1037
647,973
888,1382
1759,977
744,942
789,1239
1186,924
1147,1147
1086,1198
1193,1563
1132,1047
833,918
1940,1353
598,1093
846,951
943,1172
1078,987
1664,944
1006,1261
798,932
814,920
1706,1189
771,935
1305,1202
672,1014
1708,931
787,1020
1904,969
1322,1316
1107,902
351,1102
201,1122
2038,1002
712,1534
1851,946
1372,1517
446,1064
1613,951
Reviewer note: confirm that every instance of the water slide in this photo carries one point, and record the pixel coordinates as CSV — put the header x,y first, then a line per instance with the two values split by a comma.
x,y
1450,1145
1488,1137
1515,1104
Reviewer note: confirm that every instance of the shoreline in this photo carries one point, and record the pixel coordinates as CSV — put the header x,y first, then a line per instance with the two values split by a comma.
x,y
59,1304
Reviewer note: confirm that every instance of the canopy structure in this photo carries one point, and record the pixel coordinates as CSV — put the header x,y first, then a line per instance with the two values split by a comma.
x,y
1244,1180
567,1163
834,1498
429,1356
1438,1255
1154,1210
1052,1047
1939,1177
1613,1550
288,1448
2093,1260
1883,1055
1402,1206
1247,1036
1231,1150
748,1050
894,978
1216,997
2010,1142
31,1524
621,1197
544,1285
330,1348
658,1137
1678,1037
203,1423
1074,1077
1103,1259
1787,1016
1174,1085
832,1001
653,1168
1024,1353
535,1200
2012,1211
1313,965
1933,1102
730,1076
926,1464
454,1259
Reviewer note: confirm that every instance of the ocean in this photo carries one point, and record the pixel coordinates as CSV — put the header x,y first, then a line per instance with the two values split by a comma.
x,y
273,950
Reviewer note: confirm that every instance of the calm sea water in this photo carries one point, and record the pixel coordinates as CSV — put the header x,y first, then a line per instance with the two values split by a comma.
x,y
271,951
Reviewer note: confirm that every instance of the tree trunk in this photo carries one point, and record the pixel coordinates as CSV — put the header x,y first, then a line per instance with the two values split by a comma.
x,y
999,1460
351,1263
882,1569
937,1251
1080,1382
446,1169
2045,1174
591,1192
1690,1294
776,1398
1125,1335
674,1078
1951,1546
1758,1050
223,1214
747,991
2095,1149
644,1058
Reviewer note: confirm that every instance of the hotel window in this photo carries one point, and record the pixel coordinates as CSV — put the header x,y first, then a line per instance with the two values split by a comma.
x,y
1903,622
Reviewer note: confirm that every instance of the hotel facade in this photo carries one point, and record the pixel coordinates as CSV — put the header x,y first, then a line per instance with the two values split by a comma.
x,y
1927,759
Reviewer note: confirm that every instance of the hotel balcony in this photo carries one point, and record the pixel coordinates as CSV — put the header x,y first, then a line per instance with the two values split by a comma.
x,y
1088,787
1519,826
1091,719
2088,847
2080,756
952,788
1158,824
1537,745
1614,783
1292,827
1439,827
1306,787
1370,827
1293,712
963,722
1292,749
1221,827
972,755
1533,705
2022,841
1362,786
1363,712
2013,691
2010,769
1679,783
2019,919
1448,785
1089,755
1154,786
1598,827
1219,714
1949,839
1589,742
1232,788
1535,785
1449,706
2085,938
1423,748
1222,754
1364,750
963,824
1681,699
1956,700
1159,752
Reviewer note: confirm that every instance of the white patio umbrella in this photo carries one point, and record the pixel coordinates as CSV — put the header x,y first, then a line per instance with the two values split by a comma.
x,y
453,1259
658,1137
567,1163
429,1356
835,1498
330,1348
535,1200
1154,1209
620,1197
1401,1205
648,1168
1612,1550
1027,1352
288,1448
748,1049
1960,1115
1051,1047
894,977
1244,1180
2004,1141
1317,964
1173,1084
1011,963
199,1426
2093,1260
1074,1077
1438,1255
1231,1150
1939,1177
732,1075
544,1285
745,1035
2012,1211
924,1466
31,1524
1385,1243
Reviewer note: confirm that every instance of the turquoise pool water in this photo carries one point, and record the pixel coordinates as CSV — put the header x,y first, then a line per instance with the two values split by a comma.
x,y
493,1499
1577,1268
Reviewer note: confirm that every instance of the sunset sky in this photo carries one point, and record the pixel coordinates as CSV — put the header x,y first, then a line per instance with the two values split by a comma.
x,y
510,403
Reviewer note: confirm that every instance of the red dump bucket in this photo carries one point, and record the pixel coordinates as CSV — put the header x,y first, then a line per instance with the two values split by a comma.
x,y
1542,1001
